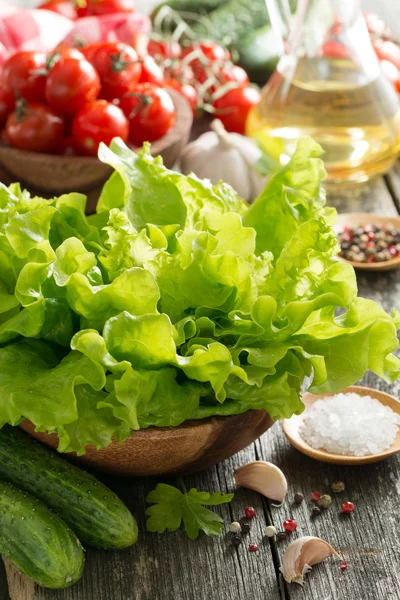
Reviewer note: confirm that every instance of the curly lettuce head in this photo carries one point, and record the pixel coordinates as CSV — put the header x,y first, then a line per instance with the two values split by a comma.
x,y
177,301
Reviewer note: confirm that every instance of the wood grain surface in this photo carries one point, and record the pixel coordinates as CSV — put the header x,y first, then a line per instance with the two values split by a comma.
x,y
171,567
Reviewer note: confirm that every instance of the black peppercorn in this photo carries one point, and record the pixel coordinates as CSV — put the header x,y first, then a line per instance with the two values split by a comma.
x,y
245,525
236,540
281,535
316,510
298,498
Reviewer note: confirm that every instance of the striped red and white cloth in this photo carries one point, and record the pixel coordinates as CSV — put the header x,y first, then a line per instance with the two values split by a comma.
x,y
25,29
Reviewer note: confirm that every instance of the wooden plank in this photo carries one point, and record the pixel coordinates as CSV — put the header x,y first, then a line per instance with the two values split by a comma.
x,y
257,569
373,198
368,539
168,566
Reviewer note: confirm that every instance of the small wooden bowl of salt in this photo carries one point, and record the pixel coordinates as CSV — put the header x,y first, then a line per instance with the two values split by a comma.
x,y
349,428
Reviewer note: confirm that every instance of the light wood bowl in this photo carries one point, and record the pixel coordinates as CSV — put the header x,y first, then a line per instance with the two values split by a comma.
x,y
52,175
191,447
355,219
291,430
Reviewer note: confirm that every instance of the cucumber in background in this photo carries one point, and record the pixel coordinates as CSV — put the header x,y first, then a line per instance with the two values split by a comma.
x,y
257,54
38,542
92,510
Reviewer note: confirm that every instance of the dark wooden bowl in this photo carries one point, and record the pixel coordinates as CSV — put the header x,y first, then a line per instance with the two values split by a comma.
x,y
191,447
52,175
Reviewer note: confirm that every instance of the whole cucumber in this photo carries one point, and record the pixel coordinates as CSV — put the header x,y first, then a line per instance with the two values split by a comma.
x,y
92,510
257,54
38,542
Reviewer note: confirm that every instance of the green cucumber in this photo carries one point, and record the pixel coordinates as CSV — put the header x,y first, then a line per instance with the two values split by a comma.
x,y
93,511
38,542
257,54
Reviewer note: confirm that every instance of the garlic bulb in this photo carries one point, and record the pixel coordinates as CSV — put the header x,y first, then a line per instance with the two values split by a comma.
x,y
217,155
301,554
263,477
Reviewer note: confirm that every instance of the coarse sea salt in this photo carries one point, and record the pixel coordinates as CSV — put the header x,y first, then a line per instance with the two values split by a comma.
x,y
350,424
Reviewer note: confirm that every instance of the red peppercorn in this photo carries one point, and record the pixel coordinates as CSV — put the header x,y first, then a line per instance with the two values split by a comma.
x,y
253,548
393,250
346,237
368,228
316,496
370,235
370,259
289,525
370,245
347,507
250,512
346,228
343,565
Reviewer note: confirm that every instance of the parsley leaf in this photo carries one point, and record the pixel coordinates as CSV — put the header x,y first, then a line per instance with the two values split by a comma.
x,y
171,506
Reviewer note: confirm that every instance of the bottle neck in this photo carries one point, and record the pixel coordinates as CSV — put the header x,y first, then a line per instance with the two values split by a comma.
x,y
331,29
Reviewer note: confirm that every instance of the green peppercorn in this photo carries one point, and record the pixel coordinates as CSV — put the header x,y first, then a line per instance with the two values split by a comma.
x,y
325,501
338,486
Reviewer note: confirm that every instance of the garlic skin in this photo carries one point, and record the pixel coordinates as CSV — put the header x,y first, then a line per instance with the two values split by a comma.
x,y
217,155
263,477
301,554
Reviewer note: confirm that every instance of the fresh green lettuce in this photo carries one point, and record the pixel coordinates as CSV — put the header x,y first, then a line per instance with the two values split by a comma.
x,y
177,301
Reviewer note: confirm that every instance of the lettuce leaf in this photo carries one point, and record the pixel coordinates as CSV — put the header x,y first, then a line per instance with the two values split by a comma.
x,y
177,301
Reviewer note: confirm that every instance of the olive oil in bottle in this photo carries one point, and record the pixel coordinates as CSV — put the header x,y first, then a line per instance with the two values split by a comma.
x,y
333,90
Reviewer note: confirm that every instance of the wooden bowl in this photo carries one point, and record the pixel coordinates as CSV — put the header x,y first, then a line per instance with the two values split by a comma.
x,y
191,447
52,175
291,430
355,219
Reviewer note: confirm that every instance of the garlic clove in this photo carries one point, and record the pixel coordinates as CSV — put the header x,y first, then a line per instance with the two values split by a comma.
x,y
263,477
301,554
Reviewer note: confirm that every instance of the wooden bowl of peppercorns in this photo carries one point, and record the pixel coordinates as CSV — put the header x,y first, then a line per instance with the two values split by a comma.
x,y
190,447
369,242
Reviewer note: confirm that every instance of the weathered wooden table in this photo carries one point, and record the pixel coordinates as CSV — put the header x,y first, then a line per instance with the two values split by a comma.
x,y
171,567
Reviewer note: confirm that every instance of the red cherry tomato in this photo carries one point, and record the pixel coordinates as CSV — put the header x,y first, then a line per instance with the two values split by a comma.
x,y
82,9
204,54
219,75
36,127
118,67
176,70
109,7
187,90
66,52
7,104
70,84
89,51
334,49
24,73
150,111
387,50
97,122
164,49
392,73
63,7
151,72
234,106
